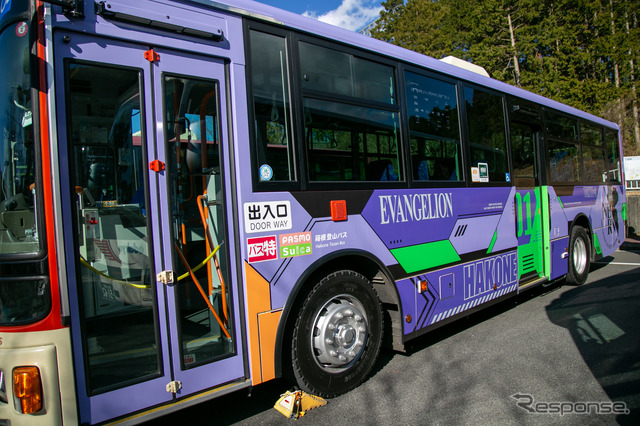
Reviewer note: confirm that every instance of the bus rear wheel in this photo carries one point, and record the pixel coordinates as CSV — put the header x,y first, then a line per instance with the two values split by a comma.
x,y
337,335
579,256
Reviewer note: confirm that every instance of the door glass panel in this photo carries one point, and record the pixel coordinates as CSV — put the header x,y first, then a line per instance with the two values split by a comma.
x,y
107,172
528,202
197,198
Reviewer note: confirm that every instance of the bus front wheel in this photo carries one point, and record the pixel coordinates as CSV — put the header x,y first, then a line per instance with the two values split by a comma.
x,y
337,335
579,256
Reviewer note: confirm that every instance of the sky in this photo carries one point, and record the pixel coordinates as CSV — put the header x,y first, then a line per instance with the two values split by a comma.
x,y
349,14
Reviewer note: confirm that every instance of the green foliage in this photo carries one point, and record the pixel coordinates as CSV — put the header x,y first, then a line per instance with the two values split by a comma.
x,y
585,53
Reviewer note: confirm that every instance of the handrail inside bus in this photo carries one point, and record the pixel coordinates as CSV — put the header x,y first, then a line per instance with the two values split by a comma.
x,y
201,264
202,293
202,202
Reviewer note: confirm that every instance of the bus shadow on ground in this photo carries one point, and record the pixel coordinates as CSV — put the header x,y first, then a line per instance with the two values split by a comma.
x,y
604,326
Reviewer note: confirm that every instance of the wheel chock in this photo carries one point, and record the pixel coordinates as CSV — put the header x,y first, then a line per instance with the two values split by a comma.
x,y
295,404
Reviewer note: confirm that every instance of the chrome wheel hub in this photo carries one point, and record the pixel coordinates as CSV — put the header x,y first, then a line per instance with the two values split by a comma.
x,y
340,332
579,256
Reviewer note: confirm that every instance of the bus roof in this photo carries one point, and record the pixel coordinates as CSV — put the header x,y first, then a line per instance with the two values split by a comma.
x,y
294,21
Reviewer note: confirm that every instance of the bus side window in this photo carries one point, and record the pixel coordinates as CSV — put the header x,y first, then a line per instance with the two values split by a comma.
x,y
434,128
343,140
487,136
564,162
350,115
563,148
271,103
613,156
593,155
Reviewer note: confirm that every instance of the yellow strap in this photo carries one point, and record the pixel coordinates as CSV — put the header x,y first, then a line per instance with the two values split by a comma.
x,y
142,286
204,262
85,263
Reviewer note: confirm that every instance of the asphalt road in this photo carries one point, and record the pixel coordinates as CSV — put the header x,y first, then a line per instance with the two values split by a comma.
x,y
556,348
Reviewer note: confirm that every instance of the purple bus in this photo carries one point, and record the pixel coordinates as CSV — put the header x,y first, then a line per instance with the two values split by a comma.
x,y
200,196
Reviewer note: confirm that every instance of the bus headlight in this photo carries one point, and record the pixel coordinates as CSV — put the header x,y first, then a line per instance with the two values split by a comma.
x,y
27,390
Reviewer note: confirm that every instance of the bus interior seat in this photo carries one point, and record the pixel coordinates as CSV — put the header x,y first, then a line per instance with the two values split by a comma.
x,y
380,170
16,216
445,169
420,168
17,222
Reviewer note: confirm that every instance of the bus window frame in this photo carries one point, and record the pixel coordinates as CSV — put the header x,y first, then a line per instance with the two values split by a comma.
x,y
264,185
527,114
297,96
466,137
414,183
579,144
583,146
39,256
549,138
619,152
301,95
36,262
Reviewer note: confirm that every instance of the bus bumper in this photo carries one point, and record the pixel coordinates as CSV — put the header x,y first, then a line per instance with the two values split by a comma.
x,y
44,357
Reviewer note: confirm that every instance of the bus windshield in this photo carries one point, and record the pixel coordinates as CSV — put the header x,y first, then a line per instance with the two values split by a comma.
x,y
18,227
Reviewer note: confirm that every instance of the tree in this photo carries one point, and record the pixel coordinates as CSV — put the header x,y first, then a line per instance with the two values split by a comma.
x,y
584,53
421,26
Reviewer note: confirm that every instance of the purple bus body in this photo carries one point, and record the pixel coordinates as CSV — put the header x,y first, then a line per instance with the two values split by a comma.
x,y
475,229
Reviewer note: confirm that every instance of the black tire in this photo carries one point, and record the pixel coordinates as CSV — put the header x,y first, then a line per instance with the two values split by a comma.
x,y
337,335
579,256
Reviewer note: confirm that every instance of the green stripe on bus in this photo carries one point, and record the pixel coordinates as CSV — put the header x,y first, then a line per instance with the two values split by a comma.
x,y
560,201
596,244
425,256
624,211
493,242
546,227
